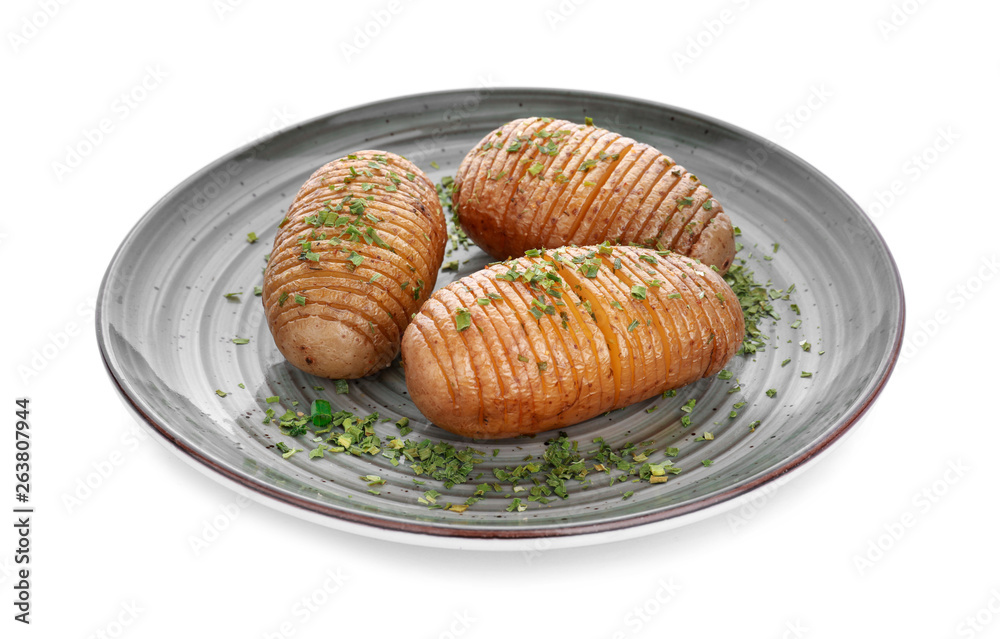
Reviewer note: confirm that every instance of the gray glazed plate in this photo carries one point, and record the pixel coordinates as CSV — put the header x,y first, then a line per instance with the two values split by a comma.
x,y
165,330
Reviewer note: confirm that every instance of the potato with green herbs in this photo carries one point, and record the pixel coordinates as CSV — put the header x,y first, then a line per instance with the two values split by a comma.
x,y
354,258
544,183
557,337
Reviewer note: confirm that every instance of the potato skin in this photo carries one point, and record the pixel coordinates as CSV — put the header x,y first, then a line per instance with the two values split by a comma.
x,y
586,329
355,256
544,183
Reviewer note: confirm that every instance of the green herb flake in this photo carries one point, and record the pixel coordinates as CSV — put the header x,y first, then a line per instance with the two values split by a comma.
x,y
221,393
672,452
516,505
321,413
300,299
240,340
251,237
632,326
287,452
588,121
404,426
806,374
639,292
707,462
771,392
341,386
463,319
725,374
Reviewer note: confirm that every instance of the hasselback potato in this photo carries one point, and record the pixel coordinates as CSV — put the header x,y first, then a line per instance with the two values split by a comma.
x,y
557,337
544,183
354,258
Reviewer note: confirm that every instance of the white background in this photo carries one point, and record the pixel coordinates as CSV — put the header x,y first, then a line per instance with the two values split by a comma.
x,y
878,539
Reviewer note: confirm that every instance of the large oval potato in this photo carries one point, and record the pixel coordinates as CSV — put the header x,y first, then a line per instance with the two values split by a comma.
x,y
558,337
355,256
544,183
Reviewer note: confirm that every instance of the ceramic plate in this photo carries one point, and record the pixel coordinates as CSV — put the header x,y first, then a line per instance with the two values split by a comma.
x,y
165,329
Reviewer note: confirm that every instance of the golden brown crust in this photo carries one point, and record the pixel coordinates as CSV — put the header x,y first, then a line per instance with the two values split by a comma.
x,y
356,254
565,335
544,183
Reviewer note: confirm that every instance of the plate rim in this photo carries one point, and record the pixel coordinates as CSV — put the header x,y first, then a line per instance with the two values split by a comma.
x,y
330,515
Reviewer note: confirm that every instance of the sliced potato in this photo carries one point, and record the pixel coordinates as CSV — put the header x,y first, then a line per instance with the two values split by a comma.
x,y
356,254
557,337
544,183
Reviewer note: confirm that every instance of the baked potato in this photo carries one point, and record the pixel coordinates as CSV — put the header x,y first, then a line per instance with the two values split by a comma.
x,y
557,337
354,258
544,183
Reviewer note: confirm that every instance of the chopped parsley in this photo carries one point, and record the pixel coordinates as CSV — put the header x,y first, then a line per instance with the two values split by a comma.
x,y
463,319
